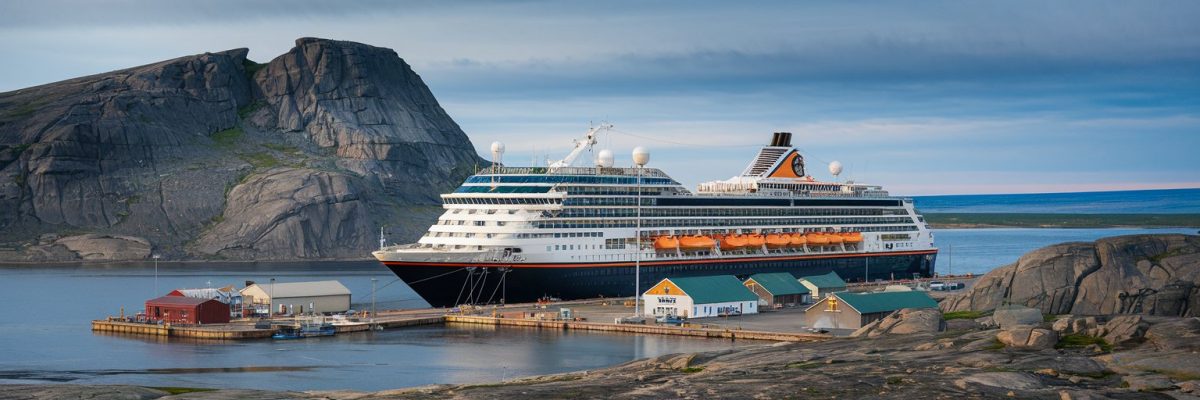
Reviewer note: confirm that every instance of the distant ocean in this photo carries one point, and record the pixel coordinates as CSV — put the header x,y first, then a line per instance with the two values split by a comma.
x,y
1166,201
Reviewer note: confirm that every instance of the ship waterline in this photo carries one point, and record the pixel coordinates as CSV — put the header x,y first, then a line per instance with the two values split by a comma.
x,y
520,234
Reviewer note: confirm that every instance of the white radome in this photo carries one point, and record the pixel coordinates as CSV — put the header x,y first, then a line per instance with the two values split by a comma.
x,y
604,159
835,168
497,148
641,156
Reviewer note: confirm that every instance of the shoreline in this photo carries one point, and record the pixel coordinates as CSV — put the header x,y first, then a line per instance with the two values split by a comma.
x,y
1060,221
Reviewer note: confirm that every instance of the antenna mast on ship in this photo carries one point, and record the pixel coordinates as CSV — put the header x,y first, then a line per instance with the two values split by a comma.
x,y
382,239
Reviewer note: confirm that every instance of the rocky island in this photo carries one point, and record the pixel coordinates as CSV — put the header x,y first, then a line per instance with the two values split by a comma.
x,y
214,156
1111,319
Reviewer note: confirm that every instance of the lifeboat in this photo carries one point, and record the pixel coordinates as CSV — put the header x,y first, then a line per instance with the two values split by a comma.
x,y
734,242
666,243
755,240
834,239
777,240
852,237
696,243
797,240
817,239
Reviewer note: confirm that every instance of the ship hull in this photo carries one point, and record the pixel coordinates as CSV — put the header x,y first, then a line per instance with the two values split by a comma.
x,y
450,284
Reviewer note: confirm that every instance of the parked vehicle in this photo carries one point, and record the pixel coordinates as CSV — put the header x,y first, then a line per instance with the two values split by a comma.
x,y
670,320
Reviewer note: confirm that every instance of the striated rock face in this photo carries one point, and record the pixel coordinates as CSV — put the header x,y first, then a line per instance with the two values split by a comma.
x,y
1138,274
153,152
289,213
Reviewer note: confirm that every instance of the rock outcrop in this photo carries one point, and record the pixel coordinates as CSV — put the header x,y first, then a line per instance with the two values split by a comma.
x,y
1138,274
903,322
153,151
1028,337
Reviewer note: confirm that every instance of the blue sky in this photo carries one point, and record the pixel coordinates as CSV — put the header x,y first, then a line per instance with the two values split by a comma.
x,y
921,97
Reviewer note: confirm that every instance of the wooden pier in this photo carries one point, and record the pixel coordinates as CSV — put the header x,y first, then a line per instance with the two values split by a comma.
x,y
213,332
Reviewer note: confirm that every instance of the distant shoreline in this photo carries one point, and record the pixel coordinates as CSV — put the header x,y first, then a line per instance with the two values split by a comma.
x,y
1045,220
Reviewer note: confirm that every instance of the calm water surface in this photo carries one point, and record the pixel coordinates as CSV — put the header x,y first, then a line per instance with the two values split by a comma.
x,y
45,336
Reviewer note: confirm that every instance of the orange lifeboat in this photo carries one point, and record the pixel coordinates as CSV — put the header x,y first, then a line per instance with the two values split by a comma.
x,y
852,237
777,240
834,239
817,239
696,242
755,240
797,240
734,242
666,243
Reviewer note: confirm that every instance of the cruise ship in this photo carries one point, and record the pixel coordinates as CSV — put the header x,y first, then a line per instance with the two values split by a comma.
x,y
519,234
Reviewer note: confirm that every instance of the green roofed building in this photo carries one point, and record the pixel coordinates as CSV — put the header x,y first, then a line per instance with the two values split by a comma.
x,y
820,286
700,297
845,310
779,289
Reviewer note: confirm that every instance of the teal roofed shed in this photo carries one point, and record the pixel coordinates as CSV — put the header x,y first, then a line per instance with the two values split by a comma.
x,y
874,302
830,280
714,289
779,283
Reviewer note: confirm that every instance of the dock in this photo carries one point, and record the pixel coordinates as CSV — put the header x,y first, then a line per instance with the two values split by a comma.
x,y
712,333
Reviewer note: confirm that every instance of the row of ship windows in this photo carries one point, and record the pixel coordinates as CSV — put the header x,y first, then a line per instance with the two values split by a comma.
x,y
473,223
475,211
498,200
652,223
724,212
614,180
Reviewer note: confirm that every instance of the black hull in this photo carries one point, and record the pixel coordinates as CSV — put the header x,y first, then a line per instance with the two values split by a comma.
x,y
449,285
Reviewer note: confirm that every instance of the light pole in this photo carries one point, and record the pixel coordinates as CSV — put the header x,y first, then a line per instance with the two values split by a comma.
x,y
156,257
640,158
867,270
271,300
373,299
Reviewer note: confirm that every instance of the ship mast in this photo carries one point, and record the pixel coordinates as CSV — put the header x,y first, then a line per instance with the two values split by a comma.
x,y
588,141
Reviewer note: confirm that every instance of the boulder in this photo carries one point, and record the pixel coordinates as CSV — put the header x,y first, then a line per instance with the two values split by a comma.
x,y
1012,316
1135,274
1028,337
1121,329
1181,334
1006,380
903,322
1072,324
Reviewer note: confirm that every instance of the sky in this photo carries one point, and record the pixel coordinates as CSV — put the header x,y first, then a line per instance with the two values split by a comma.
x,y
921,97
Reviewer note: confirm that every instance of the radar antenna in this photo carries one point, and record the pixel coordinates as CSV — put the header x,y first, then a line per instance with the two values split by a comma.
x,y
586,143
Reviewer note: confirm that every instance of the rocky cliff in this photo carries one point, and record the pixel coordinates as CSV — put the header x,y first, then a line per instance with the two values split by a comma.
x,y
215,156
1139,274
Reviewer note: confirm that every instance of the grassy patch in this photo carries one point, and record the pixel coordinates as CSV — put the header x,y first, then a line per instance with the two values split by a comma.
x,y
261,160
964,315
1157,259
174,390
250,108
894,380
282,148
22,110
691,370
1049,317
804,365
996,345
228,138
1075,340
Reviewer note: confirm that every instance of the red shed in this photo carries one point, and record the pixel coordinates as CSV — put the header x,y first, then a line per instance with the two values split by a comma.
x,y
187,310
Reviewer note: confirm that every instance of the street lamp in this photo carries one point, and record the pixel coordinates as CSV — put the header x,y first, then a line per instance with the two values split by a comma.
x,y
156,257
271,300
373,280
640,158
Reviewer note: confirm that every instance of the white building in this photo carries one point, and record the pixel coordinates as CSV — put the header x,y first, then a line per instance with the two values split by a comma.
x,y
298,297
700,297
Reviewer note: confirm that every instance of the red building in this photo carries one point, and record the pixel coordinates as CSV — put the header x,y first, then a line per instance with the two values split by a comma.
x,y
187,310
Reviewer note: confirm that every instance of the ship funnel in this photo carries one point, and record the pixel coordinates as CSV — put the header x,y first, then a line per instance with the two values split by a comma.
x,y
781,139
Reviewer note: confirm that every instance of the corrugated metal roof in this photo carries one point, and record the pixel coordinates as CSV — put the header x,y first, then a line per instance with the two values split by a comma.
x,y
830,280
303,289
714,289
779,283
873,302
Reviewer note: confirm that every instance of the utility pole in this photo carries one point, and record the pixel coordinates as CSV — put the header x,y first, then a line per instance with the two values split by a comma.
x,y
271,300
156,257
373,280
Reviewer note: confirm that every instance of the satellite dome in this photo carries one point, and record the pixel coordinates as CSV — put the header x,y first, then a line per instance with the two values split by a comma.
x,y
641,156
835,168
604,159
497,147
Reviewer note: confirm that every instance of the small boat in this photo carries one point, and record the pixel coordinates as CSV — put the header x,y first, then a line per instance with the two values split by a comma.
x,y
755,240
797,240
852,237
666,243
734,242
777,240
305,329
834,239
816,239
696,242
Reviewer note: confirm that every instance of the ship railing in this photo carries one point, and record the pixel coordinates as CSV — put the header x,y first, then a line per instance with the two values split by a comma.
x,y
649,256
646,172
